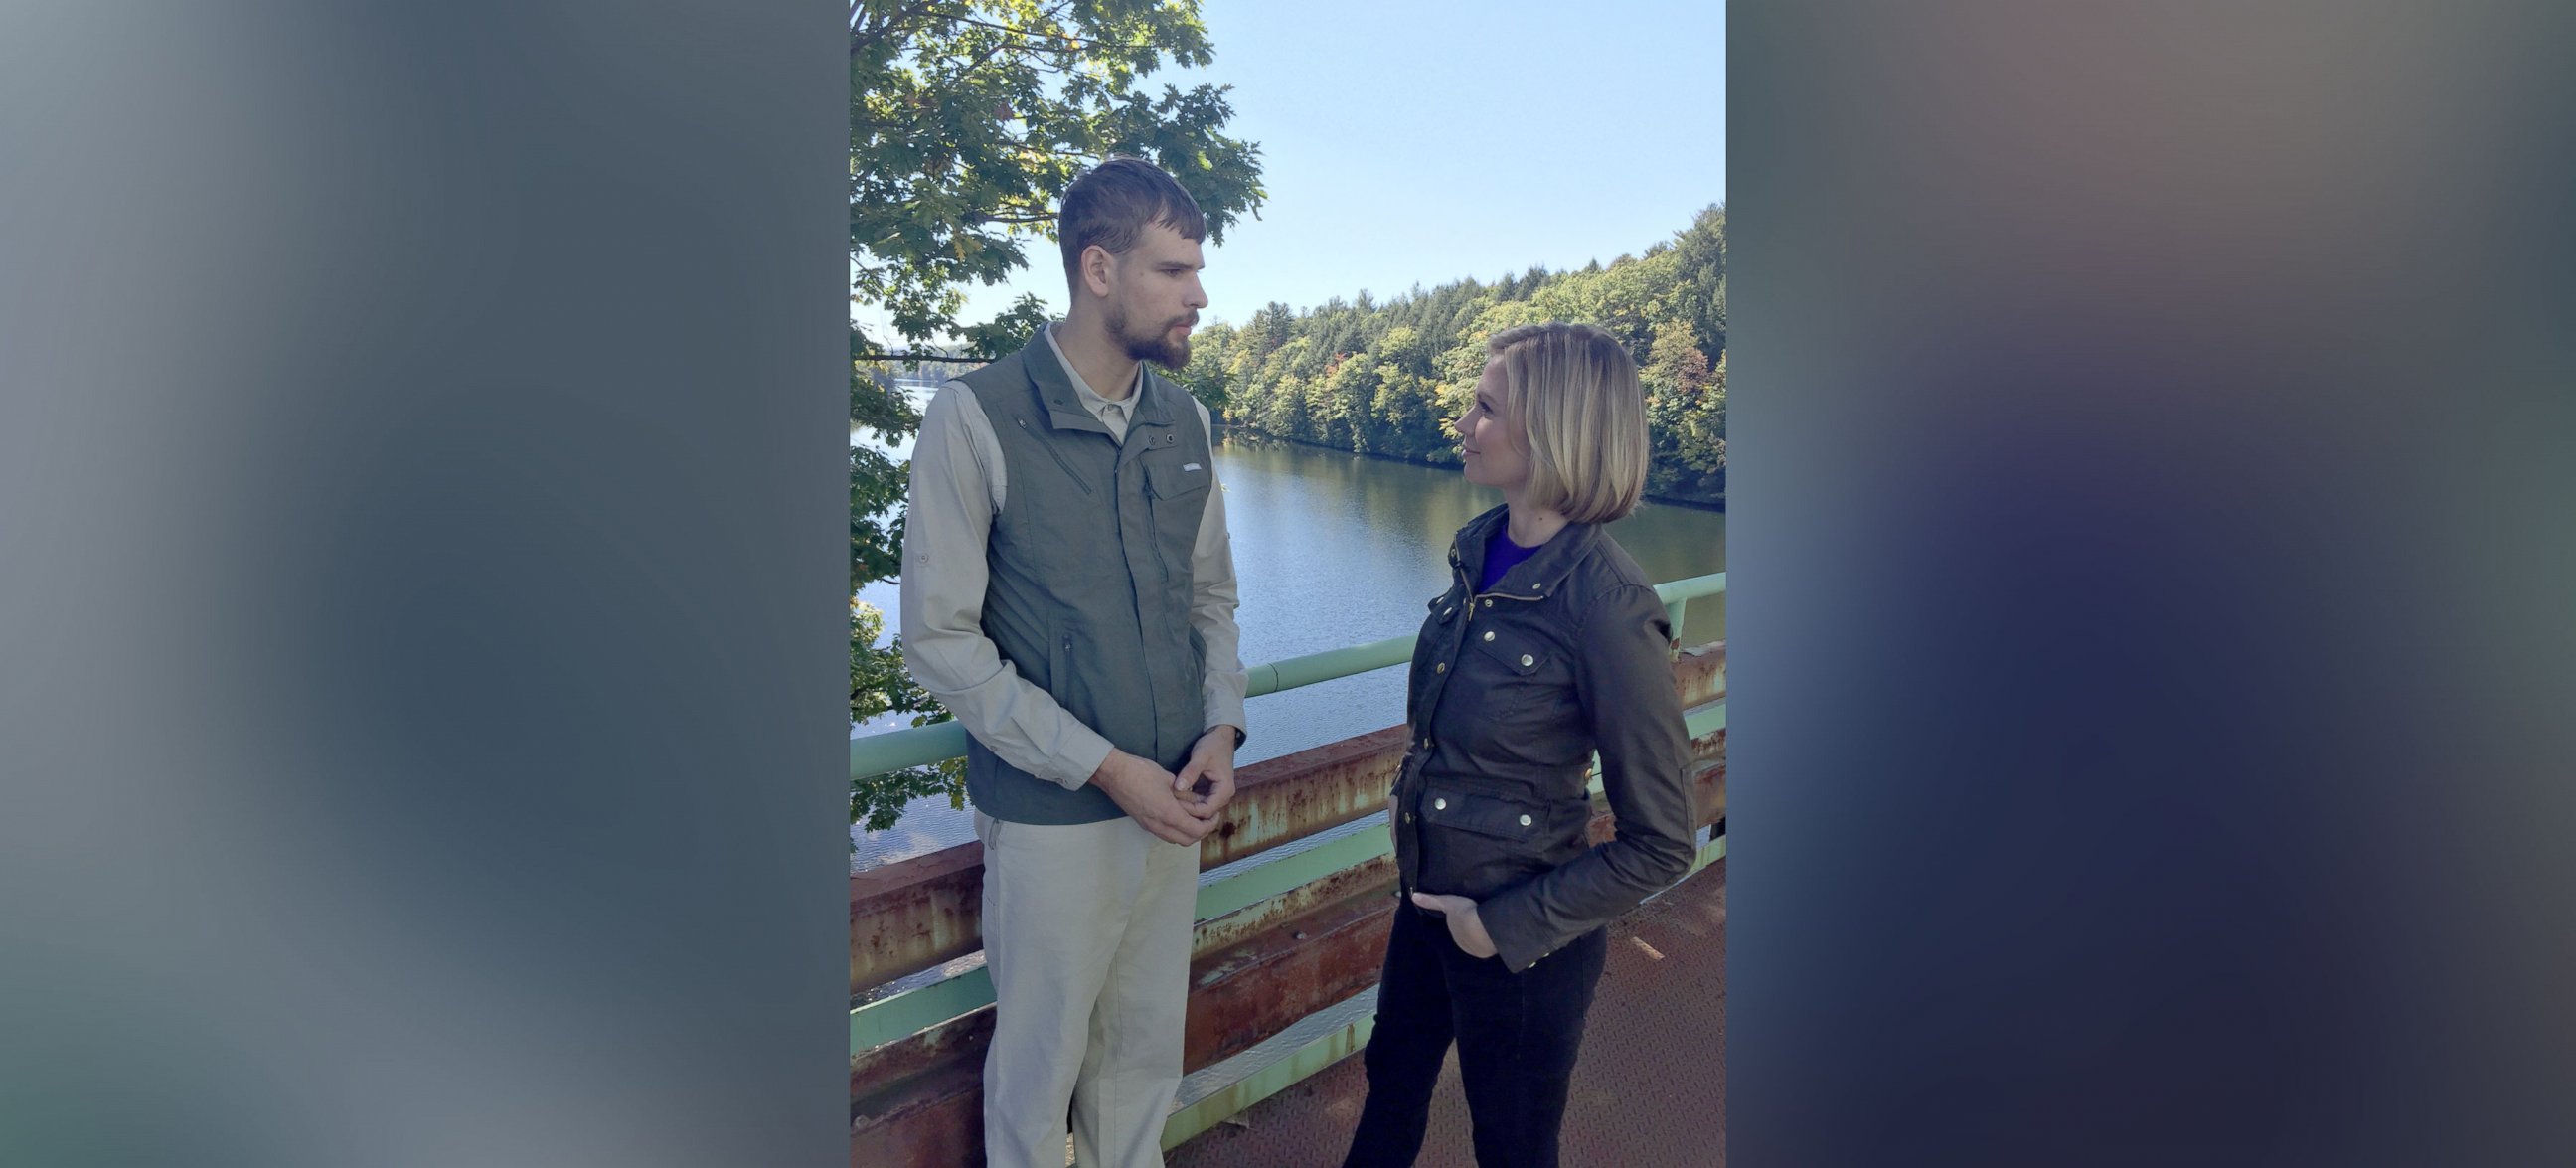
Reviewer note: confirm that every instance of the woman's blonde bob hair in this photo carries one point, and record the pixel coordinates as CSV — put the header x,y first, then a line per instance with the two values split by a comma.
x,y
1574,390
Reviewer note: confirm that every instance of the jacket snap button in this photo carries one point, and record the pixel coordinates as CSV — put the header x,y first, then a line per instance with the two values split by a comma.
x,y
1426,742
1443,667
1440,805
1526,659
1489,604
1525,821
1444,613
1489,635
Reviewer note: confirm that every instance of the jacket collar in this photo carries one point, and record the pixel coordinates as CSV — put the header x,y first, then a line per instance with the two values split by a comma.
x,y
1538,576
1063,402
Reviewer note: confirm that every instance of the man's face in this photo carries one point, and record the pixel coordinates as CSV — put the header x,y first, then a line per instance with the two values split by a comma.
x,y
1154,296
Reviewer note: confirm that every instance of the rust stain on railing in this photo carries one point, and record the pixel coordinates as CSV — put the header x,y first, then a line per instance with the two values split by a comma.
x,y
909,916
1699,674
920,1056
920,1102
1296,795
1255,989
1235,927
1708,778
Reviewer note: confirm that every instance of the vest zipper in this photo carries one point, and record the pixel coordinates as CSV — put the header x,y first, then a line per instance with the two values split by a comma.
x,y
1058,456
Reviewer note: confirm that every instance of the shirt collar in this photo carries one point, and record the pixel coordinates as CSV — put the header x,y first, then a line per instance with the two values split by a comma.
x,y
1082,389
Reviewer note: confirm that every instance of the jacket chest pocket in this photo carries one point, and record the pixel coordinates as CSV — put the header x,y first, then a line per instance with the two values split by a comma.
x,y
1521,674
1475,845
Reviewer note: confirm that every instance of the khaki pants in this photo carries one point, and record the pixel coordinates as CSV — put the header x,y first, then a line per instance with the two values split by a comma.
x,y
1087,939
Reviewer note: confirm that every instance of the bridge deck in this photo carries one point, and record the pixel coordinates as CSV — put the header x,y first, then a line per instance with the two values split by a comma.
x,y
1650,1090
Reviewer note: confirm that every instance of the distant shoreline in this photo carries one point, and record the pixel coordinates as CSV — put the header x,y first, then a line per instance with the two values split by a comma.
x,y
1718,505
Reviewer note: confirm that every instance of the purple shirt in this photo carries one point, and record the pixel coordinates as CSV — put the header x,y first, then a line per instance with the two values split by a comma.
x,y
1502,555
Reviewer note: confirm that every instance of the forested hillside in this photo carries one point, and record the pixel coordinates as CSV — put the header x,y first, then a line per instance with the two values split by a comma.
x,y
1380,377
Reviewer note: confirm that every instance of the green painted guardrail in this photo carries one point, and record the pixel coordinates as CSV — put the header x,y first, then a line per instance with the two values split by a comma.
x,y
922,745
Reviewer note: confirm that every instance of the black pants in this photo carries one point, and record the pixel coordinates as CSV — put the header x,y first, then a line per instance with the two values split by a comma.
x,y
1517,1035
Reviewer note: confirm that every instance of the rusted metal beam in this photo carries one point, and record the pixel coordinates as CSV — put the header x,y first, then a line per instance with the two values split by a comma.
x,y
1699,674
1250,991
920,1102
919,1057
1256,971
1235,928
943,1130
1708,779
910,916
1296,795
913,915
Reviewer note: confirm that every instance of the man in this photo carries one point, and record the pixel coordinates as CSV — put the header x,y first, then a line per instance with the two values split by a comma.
x,y
1069,593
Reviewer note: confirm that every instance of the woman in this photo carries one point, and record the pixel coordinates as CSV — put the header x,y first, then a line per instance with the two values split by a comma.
x,y
1548,645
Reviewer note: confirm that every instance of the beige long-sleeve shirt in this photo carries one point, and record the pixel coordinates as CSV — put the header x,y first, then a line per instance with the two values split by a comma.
x,y
958,485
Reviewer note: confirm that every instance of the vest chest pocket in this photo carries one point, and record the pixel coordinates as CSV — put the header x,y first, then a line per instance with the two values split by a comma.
x,y
1175,477
1177,488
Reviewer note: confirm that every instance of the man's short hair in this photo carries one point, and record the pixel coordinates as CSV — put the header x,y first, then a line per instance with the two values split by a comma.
x,y
1111,204
1574,389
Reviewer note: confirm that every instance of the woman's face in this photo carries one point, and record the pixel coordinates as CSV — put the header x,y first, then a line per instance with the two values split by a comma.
x,y
1495,447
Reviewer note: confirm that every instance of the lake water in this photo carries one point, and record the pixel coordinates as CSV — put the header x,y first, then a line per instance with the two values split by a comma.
x,y
1335,549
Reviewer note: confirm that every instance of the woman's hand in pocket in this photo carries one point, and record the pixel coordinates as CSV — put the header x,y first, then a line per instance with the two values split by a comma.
x,y
1465,927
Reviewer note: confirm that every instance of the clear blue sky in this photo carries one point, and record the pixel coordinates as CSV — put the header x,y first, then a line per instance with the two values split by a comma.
x,y
1408,142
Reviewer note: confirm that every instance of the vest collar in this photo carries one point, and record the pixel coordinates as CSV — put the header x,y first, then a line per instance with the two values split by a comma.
x,y
1150,405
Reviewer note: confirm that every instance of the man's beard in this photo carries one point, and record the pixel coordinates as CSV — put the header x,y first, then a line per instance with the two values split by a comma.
x,y
1155,346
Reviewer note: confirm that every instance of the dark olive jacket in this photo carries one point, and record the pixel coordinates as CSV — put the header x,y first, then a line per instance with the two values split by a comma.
x,y
1512,691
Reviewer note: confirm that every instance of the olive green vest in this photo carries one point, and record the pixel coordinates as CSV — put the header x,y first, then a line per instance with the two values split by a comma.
x,y
1090,585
